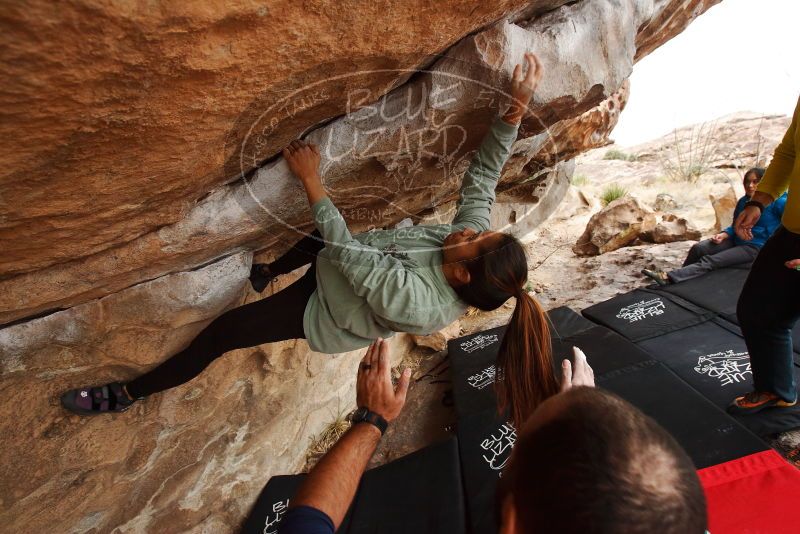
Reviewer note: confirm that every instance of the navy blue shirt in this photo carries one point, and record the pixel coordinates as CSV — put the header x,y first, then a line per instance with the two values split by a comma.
x,y
305,520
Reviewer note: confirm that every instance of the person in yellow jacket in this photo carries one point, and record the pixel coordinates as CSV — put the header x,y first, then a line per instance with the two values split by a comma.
x,y
769,305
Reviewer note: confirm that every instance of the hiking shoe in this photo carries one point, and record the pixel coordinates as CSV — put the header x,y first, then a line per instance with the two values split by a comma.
x,y
659,277
260,276
97,400
755,401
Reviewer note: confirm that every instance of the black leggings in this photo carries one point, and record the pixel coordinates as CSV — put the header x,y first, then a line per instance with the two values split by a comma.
x,y
275,318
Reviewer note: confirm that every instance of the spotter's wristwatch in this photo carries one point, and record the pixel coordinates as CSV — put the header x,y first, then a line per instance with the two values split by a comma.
x,y
363,415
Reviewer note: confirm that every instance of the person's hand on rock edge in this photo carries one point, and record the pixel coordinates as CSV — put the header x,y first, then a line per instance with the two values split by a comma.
x,y
303,160
793,264
374,388
581,375
522,88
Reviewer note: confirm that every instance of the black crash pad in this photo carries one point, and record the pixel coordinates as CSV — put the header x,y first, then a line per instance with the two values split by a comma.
x,y
707,434
642,314
272,504
420,493
485,441
717,291
712,358
472,358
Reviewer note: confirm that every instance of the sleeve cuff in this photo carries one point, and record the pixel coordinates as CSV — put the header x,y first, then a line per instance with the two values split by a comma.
x,y
504,129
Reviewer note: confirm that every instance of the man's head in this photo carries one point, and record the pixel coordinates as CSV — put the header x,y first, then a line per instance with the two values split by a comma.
x,y
751,180
588,461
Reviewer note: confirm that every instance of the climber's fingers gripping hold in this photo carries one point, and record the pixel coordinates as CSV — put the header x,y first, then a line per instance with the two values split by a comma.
x,y
303,160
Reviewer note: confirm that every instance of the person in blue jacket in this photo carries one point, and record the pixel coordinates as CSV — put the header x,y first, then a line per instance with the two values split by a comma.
x,y
726,249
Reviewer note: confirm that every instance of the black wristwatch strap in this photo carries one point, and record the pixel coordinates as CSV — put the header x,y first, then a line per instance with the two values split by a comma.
x,y
755,203
363,415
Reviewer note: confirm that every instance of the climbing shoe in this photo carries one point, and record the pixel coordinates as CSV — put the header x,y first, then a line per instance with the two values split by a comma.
x,y
97,400
659,277
260,276
755,401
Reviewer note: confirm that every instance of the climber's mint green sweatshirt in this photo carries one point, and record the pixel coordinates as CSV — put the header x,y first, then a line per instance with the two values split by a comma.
x,y
385,281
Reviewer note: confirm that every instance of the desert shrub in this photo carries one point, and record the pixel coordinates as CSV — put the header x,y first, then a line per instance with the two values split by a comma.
x,y
619,155
579,180
689,158
612,193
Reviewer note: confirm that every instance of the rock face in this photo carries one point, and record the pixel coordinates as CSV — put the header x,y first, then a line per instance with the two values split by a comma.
x,y
723,200
664,202
438,340
418,138
620,223
672,228
193,457
140,175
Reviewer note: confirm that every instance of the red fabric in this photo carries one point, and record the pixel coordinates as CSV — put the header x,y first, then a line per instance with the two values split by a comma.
x,y
759,493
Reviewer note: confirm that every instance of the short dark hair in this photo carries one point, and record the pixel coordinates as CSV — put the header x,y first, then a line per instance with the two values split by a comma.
x,y
603,466
758,171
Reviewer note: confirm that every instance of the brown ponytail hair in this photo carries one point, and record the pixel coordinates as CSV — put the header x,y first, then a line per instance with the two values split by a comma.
x,y
524,365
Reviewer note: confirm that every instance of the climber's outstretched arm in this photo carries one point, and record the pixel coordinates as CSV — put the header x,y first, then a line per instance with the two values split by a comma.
x,y
324,497
477,189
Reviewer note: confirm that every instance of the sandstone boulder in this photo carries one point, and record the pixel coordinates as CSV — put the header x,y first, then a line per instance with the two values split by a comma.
x,y
618,224
664,202
672,228
723,200
154,157
438,340
194,457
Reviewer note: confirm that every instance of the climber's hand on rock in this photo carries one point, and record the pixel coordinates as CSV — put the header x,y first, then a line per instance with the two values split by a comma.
x,y
374,389
303,159
720,237
581,375
522,88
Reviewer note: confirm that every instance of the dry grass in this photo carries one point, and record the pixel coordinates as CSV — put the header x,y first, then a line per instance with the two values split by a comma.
x,y
326,439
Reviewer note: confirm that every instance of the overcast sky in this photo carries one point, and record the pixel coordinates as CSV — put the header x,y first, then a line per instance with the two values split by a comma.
x,y
741,55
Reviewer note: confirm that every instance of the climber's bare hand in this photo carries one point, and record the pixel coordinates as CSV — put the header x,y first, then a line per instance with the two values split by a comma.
x,y
374,388
523,87
303,159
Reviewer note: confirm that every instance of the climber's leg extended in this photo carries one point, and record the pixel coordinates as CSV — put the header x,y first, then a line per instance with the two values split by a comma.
x,y
275,318
302,253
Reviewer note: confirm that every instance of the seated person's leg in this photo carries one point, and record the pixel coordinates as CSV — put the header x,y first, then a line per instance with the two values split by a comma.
x,y
724,258
705,248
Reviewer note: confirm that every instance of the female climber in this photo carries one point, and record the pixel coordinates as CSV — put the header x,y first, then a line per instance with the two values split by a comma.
x,y
371,285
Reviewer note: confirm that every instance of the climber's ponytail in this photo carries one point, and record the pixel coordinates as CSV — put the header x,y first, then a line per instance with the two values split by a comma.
x,y
524,365
525,362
